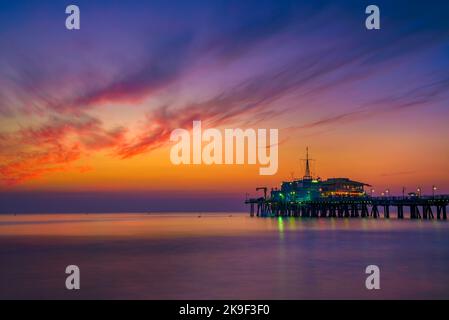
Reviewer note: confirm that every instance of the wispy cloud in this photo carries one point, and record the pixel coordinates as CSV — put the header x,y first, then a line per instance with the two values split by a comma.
x,y
415,97
32,152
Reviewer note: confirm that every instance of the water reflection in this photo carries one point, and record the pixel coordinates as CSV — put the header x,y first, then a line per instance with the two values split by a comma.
x,y
181,256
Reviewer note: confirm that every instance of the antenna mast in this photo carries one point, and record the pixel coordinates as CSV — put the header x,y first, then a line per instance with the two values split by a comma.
x,y
307,175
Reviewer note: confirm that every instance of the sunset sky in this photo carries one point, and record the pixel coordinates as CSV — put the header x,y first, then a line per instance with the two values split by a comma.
x,y
86,115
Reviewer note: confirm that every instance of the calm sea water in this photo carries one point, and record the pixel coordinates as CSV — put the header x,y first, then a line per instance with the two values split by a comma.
x,y
220,256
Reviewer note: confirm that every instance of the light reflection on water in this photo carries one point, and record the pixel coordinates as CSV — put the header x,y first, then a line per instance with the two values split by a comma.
x,y
221,256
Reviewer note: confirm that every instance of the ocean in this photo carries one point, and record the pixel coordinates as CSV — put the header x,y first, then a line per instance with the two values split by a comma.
x,y
220,256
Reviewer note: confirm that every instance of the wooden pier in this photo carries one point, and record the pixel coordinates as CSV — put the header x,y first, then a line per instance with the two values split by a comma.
x,y
419,207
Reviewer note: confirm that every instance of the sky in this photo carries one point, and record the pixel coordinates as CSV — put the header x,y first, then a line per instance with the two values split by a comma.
x,y
86,115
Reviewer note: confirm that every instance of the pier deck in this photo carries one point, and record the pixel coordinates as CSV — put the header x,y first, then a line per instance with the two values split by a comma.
x,y
419,207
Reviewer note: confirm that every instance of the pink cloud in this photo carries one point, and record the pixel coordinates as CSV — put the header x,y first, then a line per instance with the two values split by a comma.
x,y
30,153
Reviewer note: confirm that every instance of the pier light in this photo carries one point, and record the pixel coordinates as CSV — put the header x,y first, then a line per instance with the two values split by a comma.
x,y
434,188
418,190
387,192
382,194
372,192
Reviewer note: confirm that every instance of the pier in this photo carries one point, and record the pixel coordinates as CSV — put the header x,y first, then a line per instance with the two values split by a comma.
x,y
312,197
419,207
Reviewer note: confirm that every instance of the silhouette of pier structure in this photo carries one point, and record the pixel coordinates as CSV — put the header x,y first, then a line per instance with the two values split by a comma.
x,y
423,207
342,198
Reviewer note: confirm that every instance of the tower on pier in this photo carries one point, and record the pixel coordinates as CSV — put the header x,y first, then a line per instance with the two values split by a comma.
x,y
307,173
